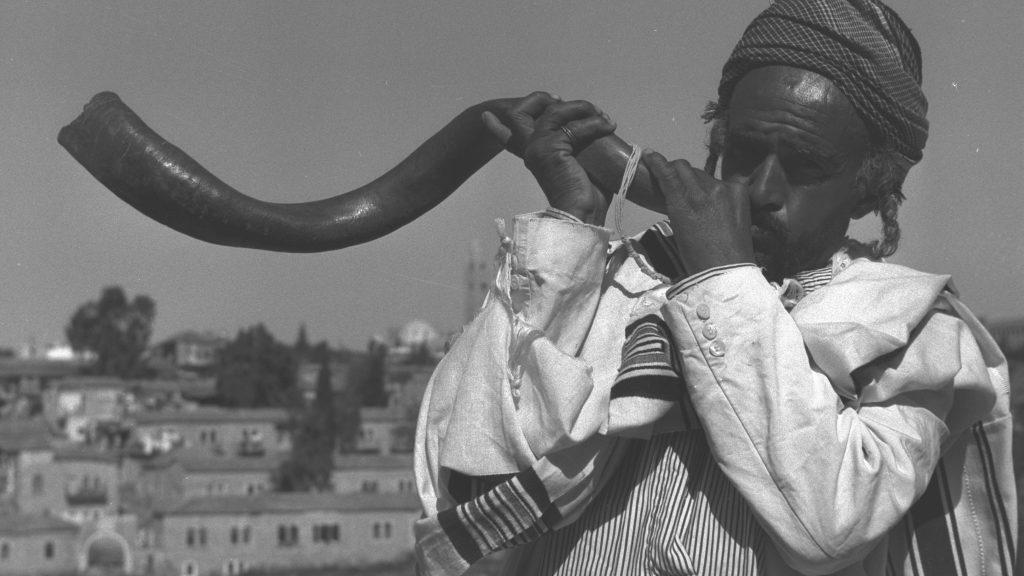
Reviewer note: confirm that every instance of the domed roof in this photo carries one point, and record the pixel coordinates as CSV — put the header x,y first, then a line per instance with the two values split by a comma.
x,y
417,333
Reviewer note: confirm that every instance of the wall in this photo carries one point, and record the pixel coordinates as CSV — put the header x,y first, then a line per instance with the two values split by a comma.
x,y
358,542
26,554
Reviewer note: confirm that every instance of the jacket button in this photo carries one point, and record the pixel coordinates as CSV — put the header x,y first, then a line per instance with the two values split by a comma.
x,y
717,349
703,312
710,331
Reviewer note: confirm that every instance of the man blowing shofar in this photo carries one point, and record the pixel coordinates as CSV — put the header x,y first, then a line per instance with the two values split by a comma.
x,y
743,389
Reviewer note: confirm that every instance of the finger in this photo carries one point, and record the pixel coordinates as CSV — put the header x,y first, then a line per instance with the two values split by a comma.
x,y
534,104
558,114
691,177
587,130
520,119
663,175
501,132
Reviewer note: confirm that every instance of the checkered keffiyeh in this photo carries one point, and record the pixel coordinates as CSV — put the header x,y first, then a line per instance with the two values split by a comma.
x,y
860,45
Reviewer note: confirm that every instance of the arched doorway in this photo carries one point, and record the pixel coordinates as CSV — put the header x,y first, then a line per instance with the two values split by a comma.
x,y
107,554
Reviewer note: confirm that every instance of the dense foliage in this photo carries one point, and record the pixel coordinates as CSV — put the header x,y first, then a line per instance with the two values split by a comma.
x,y
255,370
115,329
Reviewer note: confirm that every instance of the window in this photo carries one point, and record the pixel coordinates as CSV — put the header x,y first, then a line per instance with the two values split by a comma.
x,y
37,483
240,535
287,535
189,568
369,486
5,550
195,537
145,538
382,530
232,567
48,550
326,533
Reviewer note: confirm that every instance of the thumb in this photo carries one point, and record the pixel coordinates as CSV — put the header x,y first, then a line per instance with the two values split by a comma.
x,y
496,128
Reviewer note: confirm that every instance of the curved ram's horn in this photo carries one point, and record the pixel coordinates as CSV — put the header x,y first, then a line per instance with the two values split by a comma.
x,y
164,183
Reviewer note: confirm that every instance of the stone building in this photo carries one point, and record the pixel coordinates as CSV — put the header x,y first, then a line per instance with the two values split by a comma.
x,y
308,372
217,431
187,352
229,534
37,545
90,481
372,473
188,473
22,381
385,430
479,274
78,406
29,480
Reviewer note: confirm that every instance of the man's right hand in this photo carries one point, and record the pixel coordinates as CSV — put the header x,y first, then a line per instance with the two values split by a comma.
x,y
533,129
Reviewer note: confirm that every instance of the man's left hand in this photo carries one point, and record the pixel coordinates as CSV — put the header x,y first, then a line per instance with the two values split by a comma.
x,y
710,218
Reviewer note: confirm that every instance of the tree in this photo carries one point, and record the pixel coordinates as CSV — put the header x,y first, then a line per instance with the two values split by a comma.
x,y
255,370
115,330
366,375
302,341
347,419
312,458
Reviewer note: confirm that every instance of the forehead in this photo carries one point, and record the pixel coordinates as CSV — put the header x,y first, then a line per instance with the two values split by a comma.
x,y
789,106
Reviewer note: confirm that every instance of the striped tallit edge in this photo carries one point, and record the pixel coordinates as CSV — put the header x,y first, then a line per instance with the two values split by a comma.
x,y
996,502
935,544
516,511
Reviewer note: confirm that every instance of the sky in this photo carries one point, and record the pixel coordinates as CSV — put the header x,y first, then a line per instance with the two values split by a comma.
x,y
296,101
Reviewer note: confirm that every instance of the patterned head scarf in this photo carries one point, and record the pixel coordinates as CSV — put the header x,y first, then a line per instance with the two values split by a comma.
x,y
862,46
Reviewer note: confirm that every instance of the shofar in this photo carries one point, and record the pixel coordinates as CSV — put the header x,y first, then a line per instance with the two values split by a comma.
x,y
166,184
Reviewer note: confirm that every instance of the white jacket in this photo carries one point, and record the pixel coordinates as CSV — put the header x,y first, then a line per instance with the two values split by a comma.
x,y
830,419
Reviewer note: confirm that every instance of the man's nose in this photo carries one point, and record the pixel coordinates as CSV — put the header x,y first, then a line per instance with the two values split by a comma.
x,y
768,185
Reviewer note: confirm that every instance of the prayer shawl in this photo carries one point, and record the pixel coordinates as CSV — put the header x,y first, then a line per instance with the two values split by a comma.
x,y
473,512
862,46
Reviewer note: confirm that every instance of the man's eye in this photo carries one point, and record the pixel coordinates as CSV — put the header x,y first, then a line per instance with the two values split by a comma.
x,y
742,158
804,169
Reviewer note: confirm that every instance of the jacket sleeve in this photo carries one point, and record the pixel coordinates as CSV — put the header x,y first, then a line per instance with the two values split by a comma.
x,y
826,475
511,389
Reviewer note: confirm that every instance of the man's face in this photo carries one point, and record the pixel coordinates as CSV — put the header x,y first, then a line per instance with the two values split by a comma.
x,y
794,138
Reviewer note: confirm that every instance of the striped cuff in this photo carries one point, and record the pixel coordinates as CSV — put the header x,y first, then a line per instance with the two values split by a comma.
x,y
691,281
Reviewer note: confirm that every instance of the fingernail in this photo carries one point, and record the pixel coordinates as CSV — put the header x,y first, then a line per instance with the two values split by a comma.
x,y
647,152
556,97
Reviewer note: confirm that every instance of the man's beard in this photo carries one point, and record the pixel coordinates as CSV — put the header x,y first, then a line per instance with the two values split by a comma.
x,y
782,256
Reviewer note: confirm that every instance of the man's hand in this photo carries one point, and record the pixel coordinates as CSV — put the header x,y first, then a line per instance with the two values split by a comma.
x,y
538,129
710,218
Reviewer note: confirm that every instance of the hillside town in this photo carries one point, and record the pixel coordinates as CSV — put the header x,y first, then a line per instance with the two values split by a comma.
x,y
153,477
167,474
